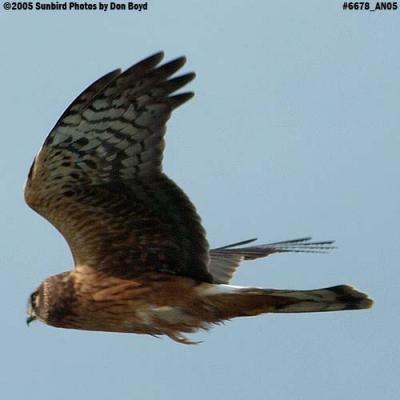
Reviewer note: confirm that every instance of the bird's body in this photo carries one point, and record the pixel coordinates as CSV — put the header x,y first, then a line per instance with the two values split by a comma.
x,y
164,304
142,262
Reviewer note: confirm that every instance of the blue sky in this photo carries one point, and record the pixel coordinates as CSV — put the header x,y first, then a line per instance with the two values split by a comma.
x,y
294,131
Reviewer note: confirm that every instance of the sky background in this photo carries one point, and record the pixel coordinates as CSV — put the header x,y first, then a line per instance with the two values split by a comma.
x,y
294,131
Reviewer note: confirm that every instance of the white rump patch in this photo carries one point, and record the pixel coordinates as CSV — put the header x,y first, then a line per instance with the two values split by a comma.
x,y
212,290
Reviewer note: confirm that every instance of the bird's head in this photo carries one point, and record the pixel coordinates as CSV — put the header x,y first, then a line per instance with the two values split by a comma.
x,y
35,302
51,300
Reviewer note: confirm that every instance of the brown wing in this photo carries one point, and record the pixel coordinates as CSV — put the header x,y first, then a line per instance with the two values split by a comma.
x,y
98,177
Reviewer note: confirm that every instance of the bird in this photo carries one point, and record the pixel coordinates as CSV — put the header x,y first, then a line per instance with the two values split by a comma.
x,y
142,263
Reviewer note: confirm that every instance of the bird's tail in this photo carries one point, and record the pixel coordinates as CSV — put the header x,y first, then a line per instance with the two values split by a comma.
x,y
234,301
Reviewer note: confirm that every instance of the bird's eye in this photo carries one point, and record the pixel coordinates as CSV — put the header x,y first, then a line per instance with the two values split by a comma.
x,y
33,299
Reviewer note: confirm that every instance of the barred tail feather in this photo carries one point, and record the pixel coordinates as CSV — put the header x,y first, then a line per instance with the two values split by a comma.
x,y
236,301
335,298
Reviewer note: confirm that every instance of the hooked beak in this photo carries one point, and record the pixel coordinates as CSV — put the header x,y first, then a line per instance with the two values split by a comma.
x,y
30,319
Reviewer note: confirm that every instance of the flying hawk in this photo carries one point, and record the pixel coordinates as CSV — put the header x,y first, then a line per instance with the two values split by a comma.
x,y
142,261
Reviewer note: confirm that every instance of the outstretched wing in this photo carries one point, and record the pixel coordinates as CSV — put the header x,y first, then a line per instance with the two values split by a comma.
x,y
224,261
98,177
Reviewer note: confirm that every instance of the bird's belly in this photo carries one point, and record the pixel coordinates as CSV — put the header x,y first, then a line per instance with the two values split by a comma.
x,y
133,318
155,304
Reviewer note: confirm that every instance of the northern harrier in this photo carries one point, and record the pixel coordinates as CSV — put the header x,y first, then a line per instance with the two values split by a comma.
x,y
142,261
